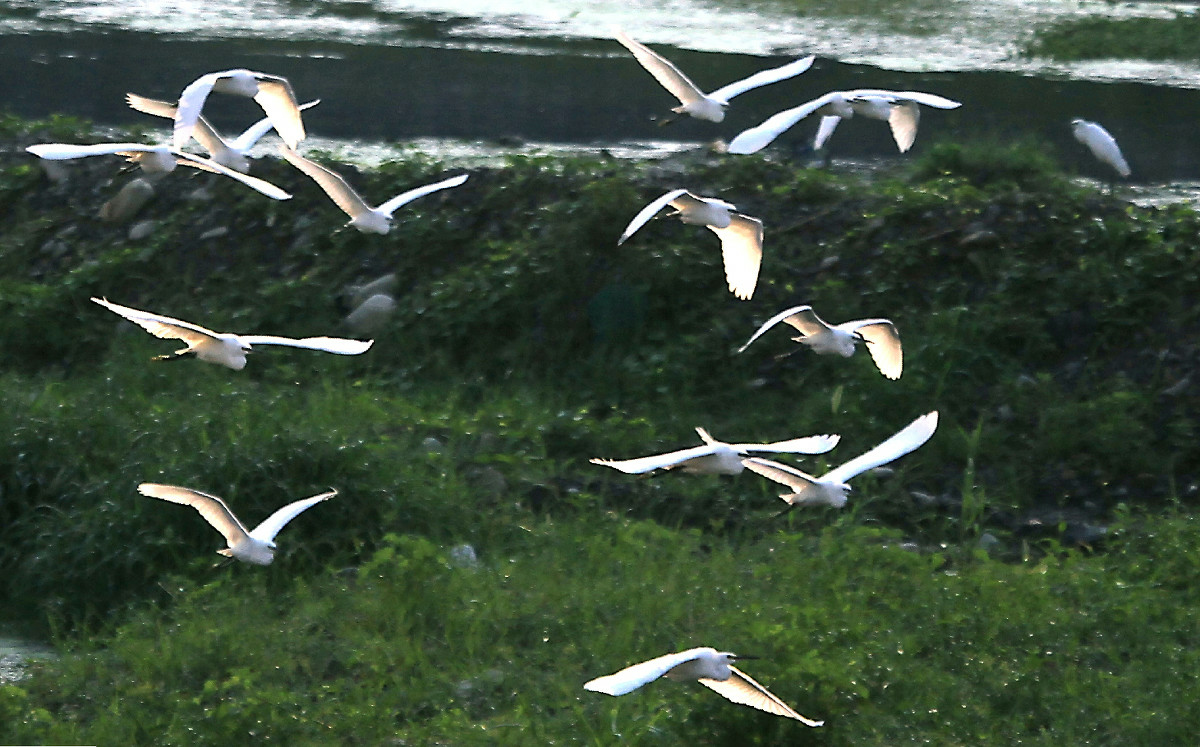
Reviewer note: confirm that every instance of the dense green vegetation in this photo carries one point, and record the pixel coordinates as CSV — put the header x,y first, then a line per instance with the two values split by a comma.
x,y
1050,325
1175,38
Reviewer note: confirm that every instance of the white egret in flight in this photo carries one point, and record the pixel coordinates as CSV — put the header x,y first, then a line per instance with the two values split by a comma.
x,y
741,235
155,161
830,489
715,457
224,348
231,153
898,108
711,668
879,335
362,216
1102,145
255,546
693,101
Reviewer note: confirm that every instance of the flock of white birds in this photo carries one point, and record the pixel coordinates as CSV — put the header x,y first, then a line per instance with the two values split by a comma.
x,y
741,238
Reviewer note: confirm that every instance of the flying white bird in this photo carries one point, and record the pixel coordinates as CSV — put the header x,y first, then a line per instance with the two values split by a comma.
x,y
830,489
224,348
898,108
879,335
362,216
273,94
741,235
1102,145
711,667
692,100
256,546
231,153
155,161
716,457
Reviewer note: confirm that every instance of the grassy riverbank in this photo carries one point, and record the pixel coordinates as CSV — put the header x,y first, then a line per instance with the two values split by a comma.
x,y
1051,326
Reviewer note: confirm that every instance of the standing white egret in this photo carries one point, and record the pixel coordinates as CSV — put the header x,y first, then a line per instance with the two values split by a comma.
x,y
1102,145
362,216
717,457
224,348
256,546
711,668
155,161
231,153
830,489
879,335
898,108
272,92
741,235
692,100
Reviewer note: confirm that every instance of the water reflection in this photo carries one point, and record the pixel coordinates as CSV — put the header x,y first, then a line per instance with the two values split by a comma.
x,y
15,654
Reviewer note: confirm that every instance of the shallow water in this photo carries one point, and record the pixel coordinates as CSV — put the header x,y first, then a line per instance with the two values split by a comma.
x,y
15,654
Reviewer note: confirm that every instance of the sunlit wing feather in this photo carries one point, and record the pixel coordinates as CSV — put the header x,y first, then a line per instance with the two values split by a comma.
x,y
403,198
160,326
758,137
904,441
212,508
342,194
337,345
648,212
741,251
762,78
206,164
659,461
740,688
276,98
883,343
632,677
270,526
668,76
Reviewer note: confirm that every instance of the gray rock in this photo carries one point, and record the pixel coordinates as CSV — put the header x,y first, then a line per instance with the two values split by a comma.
x,y
127,202
371,316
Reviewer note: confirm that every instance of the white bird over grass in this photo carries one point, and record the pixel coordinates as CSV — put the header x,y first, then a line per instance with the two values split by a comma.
x,y
273,94
224,348
712,668
694,102
1102,145
155,161
898,108
717,457
231,153
362,216
741,235
879,335
830,489
256,546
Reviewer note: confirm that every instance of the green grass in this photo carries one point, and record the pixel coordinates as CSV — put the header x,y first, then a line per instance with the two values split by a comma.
x,y
1175,38
1050,326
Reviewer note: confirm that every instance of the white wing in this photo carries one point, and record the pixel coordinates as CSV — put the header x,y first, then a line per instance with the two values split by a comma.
x,y
277,100
266,531
668,76
805,445
781,473
334,185
256,131
66,151
191,101
403,198
741,250
762,78
903,120
633,677
759,137
212,508
648,212
161,326
204,133
781,316
904,441
660,461
883,343
740,688
828,124
327,344
207,164
920,97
